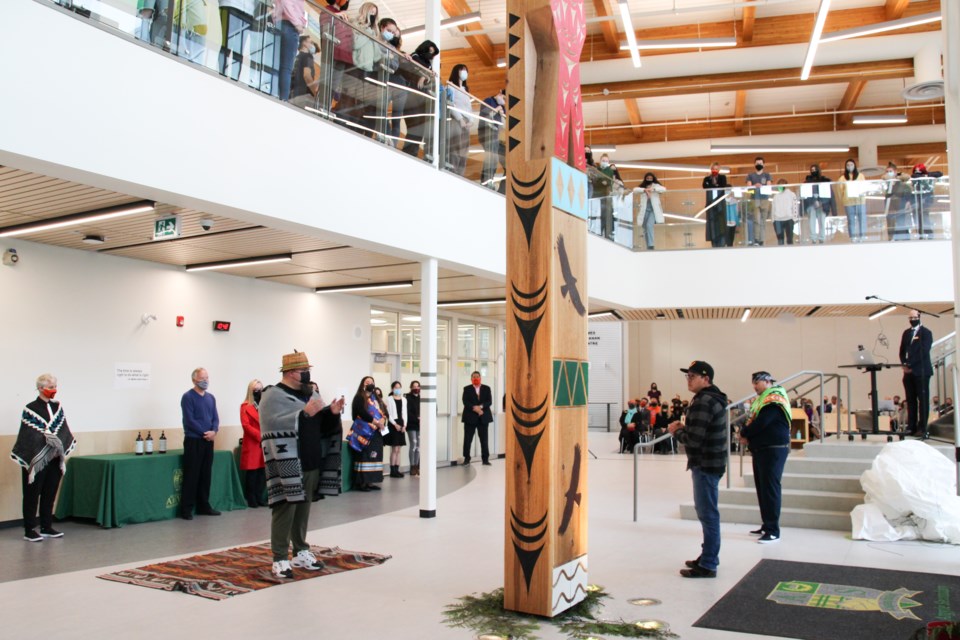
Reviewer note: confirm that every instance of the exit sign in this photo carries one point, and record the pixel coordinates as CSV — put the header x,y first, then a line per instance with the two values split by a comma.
x,y
166,228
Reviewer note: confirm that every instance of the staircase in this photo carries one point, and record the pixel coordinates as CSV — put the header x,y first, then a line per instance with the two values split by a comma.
x,y
821,485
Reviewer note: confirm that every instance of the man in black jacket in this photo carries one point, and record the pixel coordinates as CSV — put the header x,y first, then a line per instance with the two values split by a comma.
x,y
477,400
705,439
915,347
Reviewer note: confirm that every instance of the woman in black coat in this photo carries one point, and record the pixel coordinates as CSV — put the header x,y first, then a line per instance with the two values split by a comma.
x,y
715,185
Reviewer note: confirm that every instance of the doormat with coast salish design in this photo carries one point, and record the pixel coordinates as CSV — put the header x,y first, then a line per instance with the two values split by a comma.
x,y
233,572
825,602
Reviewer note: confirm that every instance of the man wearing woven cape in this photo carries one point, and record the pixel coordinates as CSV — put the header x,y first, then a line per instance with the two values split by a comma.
x,y
282,408
767,432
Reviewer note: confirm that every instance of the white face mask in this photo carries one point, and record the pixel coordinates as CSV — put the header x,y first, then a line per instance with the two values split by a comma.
x,y
604,164
500,100
388,36
313,48
463,75
850,167
891,174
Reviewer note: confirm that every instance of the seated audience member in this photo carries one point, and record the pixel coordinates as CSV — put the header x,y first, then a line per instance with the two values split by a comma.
x,y
629,436
947,406
935,404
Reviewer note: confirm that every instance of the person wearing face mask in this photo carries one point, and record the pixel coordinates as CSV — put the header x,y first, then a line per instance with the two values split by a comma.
x,y
200,425
784,211
368,466
41,449
762,183
367,54
290,16
413,427
287,410
716,186
817,206
854,201
898,200
390,33
601,178
490,130
416,73
333,20
477,400
306,80
922,182
459,119
648,209
629,427
251,454
915,344
397,419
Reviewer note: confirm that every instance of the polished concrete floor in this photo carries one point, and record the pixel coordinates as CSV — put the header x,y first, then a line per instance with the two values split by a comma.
x,y
51,588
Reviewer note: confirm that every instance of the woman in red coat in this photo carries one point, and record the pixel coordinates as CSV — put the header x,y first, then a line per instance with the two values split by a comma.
x,y
251,454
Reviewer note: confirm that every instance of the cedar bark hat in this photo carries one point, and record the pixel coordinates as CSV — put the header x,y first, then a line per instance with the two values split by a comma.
x,y
295,360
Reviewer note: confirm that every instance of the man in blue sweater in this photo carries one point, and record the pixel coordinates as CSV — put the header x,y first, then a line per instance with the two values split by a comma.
x,y
200,426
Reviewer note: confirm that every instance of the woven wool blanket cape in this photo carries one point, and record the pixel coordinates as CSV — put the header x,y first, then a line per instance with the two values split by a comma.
x,y
280,411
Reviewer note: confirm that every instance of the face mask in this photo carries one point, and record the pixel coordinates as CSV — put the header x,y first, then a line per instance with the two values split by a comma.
x,y
475,381
256,395
632,406
890,174
604,164
781,189
48,393
415,392
850,167
914,322
388,36
203,384
589,156
500,100
304,378
715,172
463,75
814,171
373,20
370,388
313,48
397,392
759,166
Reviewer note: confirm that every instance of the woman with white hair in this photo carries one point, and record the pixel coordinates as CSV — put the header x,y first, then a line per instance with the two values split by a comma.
x,y
42,446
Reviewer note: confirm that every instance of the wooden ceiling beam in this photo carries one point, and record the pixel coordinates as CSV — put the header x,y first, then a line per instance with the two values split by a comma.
x,y
896,8
739,110
633,112
849,101
481,44
768,79
608,28
746,29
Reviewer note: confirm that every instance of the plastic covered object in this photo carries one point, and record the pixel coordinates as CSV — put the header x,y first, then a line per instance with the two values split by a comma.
x,y
911,493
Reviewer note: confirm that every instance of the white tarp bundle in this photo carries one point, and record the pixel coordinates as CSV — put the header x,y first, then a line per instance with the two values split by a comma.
x,y
911,493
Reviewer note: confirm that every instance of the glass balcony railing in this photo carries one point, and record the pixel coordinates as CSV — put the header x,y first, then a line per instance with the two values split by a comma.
x,y
821,213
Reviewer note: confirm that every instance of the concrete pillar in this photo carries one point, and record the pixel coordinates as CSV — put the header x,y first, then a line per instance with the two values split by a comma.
x,y
428,388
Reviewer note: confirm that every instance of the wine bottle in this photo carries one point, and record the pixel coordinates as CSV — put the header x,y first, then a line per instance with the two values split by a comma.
x,y
163,442
139,445
148,444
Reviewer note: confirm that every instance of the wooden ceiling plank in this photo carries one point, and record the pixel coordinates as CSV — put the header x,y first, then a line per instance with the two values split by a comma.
x,y
849,101
611,35
896,8
481,43
746,29
739,109
633,112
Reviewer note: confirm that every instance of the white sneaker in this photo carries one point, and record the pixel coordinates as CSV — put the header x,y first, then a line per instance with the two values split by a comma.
x,y
282,569
306,560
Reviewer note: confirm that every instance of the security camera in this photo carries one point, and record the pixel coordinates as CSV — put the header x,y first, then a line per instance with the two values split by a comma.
x,y
206,224
10,257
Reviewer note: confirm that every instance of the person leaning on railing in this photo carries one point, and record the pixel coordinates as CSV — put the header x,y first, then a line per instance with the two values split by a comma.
x,y
854,201
649,209
923,197
417,73
390,33
367,53
459,118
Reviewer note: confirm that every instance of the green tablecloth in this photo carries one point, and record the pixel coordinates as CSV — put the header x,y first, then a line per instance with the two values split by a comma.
x,y
121,488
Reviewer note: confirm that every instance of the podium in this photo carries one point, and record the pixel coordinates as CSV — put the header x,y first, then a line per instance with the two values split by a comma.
x,y
874,400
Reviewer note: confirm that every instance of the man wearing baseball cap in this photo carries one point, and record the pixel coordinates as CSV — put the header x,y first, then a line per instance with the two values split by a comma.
x,y
705,440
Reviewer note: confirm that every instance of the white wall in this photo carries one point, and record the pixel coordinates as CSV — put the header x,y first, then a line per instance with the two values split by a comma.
x,y
782,347
75,314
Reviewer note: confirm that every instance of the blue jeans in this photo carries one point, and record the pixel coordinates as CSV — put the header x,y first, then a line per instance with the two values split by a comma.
x,y
649,219
705,497
856,221
289,41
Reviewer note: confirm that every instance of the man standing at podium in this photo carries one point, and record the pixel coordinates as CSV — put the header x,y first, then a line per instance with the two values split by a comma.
x,y
917,370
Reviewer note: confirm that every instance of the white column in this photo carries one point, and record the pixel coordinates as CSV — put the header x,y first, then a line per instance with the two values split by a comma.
x,y
428,388
951,76
432,17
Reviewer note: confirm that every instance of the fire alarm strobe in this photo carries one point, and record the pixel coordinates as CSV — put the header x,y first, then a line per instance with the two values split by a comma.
x,y
221,325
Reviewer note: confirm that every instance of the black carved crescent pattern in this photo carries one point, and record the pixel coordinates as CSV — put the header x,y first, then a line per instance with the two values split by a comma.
x,y
528,557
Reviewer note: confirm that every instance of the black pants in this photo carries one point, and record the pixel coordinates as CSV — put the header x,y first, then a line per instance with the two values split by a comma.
x,y
481,430
42,490
917,389
254,486
767,471
197,469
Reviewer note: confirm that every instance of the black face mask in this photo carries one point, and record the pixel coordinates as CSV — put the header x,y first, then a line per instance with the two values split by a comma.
x,y
370,388
304,378
815,171
256,396
589,155
759,167
914,322
373,21
632,406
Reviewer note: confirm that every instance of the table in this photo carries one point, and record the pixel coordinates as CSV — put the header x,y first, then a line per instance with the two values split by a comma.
x,y
122,488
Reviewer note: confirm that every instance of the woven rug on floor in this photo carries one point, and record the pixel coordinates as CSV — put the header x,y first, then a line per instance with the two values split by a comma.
x,y
830,602
233,572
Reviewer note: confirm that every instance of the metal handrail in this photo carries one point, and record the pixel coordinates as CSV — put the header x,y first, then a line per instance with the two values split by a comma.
x,y
940,363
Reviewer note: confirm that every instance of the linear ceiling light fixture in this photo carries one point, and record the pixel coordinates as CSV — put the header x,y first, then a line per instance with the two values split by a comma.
x,y
746,315
447,23
97,215
815,39
881,27
669,166
630,32
779,148
399,284
683,43
471,303
882,312
240,262
604,315
603,148
892,118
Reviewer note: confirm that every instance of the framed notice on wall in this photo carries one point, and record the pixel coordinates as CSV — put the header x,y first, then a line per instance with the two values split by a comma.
x,y
605,345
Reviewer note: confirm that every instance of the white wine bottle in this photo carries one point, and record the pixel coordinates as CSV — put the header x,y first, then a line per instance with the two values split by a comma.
x,y
148,445
139,445
163,442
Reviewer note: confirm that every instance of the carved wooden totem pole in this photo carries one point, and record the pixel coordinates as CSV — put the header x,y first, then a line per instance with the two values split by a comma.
x,y
545,567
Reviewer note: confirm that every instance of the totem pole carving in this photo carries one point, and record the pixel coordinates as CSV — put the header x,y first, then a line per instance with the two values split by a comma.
x,y
545,555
